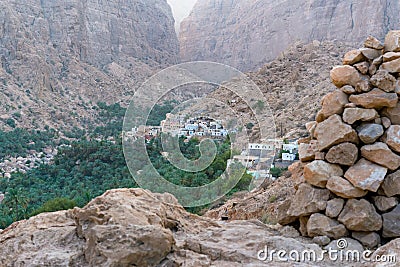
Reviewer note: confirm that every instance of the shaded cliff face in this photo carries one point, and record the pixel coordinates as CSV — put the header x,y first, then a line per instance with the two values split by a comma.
x,y
69,54
248,33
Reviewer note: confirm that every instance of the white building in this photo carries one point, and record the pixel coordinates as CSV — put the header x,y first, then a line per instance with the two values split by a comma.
x,y
288,157
255,146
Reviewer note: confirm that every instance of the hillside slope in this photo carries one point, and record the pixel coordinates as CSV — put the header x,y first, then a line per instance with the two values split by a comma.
x,y
59,58
247,34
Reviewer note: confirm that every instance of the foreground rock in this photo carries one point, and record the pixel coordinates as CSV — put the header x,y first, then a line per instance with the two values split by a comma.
x,y
133,227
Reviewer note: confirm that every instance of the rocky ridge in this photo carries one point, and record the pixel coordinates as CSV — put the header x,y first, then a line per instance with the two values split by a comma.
x,y
247,34
350,161
59,59
133,227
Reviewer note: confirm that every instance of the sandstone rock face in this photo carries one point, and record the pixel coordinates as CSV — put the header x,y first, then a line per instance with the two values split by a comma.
x,y
344,154
391,225
352,115
216,30
366,175
133,227
308,200
328,138
375,99
344,188
360,215
391,185
369,133
392,137
381,154
321,225
318,172
332,103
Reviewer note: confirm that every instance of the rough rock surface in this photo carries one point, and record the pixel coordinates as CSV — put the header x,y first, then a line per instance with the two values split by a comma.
x,y
344,188
60,58
308,200
133,227
343,154
391,223
366,175
391,185
318,172
218,30
360,215
328,138
321,225
381,154
370,132
352,115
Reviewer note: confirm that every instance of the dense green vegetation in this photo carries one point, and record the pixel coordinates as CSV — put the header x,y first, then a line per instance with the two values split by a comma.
x,y
86,168
19,141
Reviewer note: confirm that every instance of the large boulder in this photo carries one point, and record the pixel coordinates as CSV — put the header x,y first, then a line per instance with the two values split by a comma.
x,y
344,154
334,131
308,200
392,41
370,132
366,175
381,154
318,172
343,188
391,223
375,99
321,225
360,215
332,103
392,137
352,115
345,75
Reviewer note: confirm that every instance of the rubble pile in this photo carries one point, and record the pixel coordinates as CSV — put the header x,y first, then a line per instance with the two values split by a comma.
x,y
350,182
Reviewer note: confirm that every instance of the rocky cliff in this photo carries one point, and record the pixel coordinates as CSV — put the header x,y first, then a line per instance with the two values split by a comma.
x,y
72,54
245,34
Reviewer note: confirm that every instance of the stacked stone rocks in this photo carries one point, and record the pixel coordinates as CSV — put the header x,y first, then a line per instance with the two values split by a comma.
x,y
351,177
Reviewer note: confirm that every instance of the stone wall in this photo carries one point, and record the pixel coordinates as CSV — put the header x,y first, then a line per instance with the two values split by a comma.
x,y
351,165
